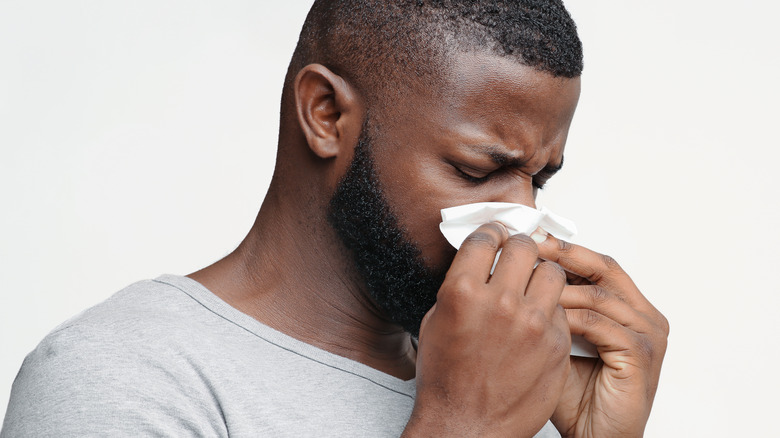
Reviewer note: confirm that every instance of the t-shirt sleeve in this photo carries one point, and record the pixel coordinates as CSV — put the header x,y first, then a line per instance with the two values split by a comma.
x,y
86,382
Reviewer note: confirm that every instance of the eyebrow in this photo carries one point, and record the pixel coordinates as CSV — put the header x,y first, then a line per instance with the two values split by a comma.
x,y
504,159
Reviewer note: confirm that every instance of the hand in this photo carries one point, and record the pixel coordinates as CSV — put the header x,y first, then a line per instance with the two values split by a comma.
x,y
493,352
610,396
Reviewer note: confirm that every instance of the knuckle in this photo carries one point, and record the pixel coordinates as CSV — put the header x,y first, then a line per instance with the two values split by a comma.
x,y
521,240
564,246
663,322
645,350
535,322
552,272
484,238
557,269
659,321
598,295
610,263
458,289
590,318
506,306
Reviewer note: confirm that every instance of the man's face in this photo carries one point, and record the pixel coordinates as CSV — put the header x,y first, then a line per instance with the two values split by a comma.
x,y
495,131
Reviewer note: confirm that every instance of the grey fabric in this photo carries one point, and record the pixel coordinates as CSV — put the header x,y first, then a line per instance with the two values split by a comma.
x,y
166,357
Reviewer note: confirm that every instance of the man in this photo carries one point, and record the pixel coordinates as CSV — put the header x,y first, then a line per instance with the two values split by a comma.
x,y
345,312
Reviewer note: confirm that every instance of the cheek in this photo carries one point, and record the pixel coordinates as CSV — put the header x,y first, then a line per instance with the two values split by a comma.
x,y
425,233
439,253
417,194
417,185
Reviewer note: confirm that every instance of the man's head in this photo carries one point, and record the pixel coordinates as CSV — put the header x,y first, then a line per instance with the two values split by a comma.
x,y
468,101
381,45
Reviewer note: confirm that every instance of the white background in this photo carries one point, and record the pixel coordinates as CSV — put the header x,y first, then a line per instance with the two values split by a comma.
x,y
138,138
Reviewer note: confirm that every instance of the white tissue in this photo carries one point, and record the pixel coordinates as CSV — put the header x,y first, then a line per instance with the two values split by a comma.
x,y
458,222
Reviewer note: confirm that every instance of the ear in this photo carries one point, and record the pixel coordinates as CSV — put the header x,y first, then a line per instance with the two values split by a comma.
x,y
329,111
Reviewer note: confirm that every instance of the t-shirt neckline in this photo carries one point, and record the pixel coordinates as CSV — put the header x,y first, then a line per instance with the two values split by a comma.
x,y
211,301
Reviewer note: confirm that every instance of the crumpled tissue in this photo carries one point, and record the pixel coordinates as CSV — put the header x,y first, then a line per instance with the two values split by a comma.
x,y
458,222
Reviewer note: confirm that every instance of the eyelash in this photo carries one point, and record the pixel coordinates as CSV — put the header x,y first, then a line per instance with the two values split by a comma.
x,y
475,179
484,179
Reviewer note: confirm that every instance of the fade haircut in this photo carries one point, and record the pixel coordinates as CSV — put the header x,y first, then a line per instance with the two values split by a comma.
x,y
386,45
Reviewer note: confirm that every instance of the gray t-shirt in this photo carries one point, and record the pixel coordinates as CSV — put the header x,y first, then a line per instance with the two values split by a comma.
x,y
167,357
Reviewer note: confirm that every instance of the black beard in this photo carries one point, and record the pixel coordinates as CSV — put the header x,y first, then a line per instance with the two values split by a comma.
x,y
396,278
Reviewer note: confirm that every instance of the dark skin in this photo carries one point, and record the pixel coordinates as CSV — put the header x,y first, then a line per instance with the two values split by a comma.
x,y
493,352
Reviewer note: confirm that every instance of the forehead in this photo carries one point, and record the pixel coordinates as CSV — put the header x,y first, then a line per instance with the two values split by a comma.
x,y
485,99
506,95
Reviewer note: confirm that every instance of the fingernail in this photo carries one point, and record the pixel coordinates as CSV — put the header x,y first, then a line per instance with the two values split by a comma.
x,y
539,235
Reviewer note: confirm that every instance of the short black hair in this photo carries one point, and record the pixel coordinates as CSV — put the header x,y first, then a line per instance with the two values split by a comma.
x,y
378,43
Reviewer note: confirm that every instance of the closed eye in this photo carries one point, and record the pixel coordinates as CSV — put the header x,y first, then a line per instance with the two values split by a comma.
x,y
538,183
472,178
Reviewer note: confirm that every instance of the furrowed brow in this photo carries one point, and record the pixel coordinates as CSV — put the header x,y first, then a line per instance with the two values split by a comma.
x,y
504,159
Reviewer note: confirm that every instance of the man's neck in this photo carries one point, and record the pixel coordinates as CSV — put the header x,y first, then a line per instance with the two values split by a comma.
x,y
296,277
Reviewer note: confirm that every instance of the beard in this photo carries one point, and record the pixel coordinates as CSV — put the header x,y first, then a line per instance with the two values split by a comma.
x,y
390,264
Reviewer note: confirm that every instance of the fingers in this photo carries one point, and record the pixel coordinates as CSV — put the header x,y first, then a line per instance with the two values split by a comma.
x,y
495,346
546,285
588,264
478,251
598,299
515,288
514,272
515,266
611,292
617,344
594,267
607,335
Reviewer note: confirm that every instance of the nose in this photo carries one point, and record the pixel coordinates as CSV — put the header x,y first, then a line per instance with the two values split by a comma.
x,y
518,193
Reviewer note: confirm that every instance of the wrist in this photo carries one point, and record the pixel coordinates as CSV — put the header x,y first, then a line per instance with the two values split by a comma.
x,y
424,424
449,424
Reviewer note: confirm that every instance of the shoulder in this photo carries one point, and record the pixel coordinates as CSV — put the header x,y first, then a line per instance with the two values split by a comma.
x,y
113,366
138,318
